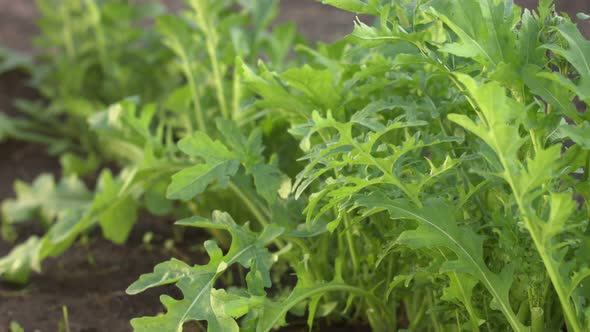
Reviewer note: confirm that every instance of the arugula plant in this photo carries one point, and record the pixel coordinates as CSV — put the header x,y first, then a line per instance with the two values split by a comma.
x,y
440,182
139,135
437,158
92,54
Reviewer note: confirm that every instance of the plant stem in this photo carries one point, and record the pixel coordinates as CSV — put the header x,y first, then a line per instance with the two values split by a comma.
x,y
552,271
188,72
257,212
350,241
95,17
67,32
587,169
237,92
324,289
212,41
64,310
418,317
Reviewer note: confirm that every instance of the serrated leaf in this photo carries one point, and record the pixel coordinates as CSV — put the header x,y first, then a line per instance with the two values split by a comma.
x,y
268,180
274,95
46,198
192,181
114,210
579,134
460,289
483,27
201,300
438,228
200,145
317,85
578,54
219,165
120,214
16,266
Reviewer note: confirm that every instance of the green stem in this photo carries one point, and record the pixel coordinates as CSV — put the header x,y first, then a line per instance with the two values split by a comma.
x,y
348,228
257,212
350,242
95,16
432,315
237,92
587,170
291,302
188,72
212,41
67,32
66,320
417,319
537,321
552,270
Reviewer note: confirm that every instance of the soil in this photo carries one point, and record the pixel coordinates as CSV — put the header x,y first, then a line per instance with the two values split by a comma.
x,y
89,280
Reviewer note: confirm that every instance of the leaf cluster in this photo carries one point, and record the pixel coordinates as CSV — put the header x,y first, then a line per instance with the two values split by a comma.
x,y
429,172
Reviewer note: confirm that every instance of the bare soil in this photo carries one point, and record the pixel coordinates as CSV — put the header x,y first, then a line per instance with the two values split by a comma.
x,y
90,279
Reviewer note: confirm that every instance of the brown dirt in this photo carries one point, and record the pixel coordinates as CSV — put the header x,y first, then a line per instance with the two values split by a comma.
x,y
317,21
94,293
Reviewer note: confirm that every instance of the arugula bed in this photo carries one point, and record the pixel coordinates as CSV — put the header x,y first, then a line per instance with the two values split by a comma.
x,y
430,172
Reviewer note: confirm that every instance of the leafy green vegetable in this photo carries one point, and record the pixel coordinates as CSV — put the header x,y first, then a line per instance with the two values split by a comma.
x,y
429,172
201,300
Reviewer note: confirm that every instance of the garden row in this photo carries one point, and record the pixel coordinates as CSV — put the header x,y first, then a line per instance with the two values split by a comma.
x,y
429,172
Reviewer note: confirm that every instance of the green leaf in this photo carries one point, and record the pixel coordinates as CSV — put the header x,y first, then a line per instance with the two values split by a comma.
x,y
578,54
483,27
272,314
460,289
45,198
317,85
192,181
550,90
75,212
11,60
273,94
196,283
367,36
120,209
201,301
500,119
200,145
501,116
437,227
7,127
74,165
220,164
16,266
268,180
578,134
155,199
15,327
